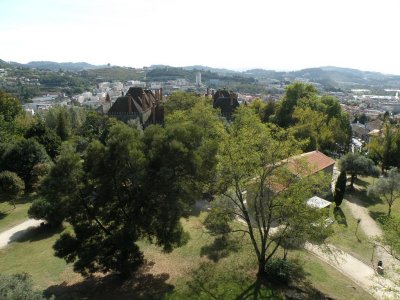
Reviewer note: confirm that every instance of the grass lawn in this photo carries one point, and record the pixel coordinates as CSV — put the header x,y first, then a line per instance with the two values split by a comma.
x,y
10,217
201,269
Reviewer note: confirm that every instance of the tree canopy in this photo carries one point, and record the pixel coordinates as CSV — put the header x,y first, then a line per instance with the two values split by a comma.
x,y
355,164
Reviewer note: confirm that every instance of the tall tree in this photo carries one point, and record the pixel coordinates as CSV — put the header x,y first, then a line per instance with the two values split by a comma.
x,y
256,176
356,164
340,188
387,187
45,136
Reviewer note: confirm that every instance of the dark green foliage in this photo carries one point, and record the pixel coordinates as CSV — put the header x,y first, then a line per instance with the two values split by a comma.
x,y
22,156
18,287
39,172
356,164
45,136
283,271
340,188
129,188
63,126
11,185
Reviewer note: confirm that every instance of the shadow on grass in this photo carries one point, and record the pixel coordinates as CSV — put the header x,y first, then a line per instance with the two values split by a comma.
x,y
339,215
363,198
220,248
142,286
2,215
33,234
361,182
255,291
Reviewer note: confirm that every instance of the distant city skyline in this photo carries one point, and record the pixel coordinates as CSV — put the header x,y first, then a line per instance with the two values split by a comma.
x,y
276,35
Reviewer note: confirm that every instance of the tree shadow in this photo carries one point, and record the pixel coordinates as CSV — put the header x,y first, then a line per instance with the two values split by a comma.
x,y
34,234
361,182
255,291
198,207
3,215
339,216
142,286
361,197
220,248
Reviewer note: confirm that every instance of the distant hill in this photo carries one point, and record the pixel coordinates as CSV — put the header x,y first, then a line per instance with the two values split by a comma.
x,y
66,66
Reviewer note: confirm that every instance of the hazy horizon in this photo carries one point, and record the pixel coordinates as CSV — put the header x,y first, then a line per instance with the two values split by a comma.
x,y
282,35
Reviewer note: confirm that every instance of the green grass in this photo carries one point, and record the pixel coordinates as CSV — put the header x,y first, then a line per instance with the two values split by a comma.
x,y
10,216
34,255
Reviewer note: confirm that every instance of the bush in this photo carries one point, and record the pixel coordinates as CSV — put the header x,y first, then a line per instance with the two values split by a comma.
x,y
11,185
17,287
283,271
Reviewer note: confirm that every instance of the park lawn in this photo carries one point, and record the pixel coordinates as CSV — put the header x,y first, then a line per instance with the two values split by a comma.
x,y
345,237
378,208
34,254
200,269
10,217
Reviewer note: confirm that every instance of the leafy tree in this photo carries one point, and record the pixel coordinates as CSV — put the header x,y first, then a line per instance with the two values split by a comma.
x,y
293,94
363,118
356,164
340,188
11,185
45,136
180,101
39,172
387,187
10,107
22,156
129,188
264,189
63,127
17,287
384,147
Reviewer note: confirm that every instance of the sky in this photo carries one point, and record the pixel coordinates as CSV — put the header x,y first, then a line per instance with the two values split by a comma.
x,y
234,34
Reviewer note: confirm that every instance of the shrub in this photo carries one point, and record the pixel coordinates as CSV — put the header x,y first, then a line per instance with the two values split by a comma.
x,y
283,271
18,286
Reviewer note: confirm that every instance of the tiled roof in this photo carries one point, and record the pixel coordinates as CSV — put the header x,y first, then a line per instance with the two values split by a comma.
x,y
316,161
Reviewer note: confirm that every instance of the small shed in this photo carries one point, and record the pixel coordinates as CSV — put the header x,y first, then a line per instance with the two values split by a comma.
x,y
318,202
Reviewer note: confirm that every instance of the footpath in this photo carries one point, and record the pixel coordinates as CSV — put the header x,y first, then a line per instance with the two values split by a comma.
x,y
17,232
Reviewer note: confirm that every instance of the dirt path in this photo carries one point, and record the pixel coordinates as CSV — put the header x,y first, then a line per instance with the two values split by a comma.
x,y
359,272
17,231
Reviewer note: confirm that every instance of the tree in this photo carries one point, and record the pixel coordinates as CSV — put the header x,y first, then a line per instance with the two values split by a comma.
x,y
131,187
45,136
265,189
180,101
63,126
22,156
356,164
387,187
390,238
10,107
340,188
11,185
18,286
293,94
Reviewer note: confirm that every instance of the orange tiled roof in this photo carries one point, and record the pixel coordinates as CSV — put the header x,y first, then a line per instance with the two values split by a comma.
x,y
316,161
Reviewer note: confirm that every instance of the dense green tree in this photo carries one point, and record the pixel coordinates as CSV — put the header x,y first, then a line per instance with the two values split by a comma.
x,y
45,136
10,107
340,188
390,238
18,287
129,188
355,164
180,101
287,104
63,127
22,156
387,187
255,177
11,186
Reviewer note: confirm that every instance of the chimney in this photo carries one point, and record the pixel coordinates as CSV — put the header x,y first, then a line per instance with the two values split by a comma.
x,y
161,93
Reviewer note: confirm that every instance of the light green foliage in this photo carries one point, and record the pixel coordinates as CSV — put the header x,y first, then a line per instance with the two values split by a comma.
x,y
10,111
254,175
387,187
391,233
18,287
